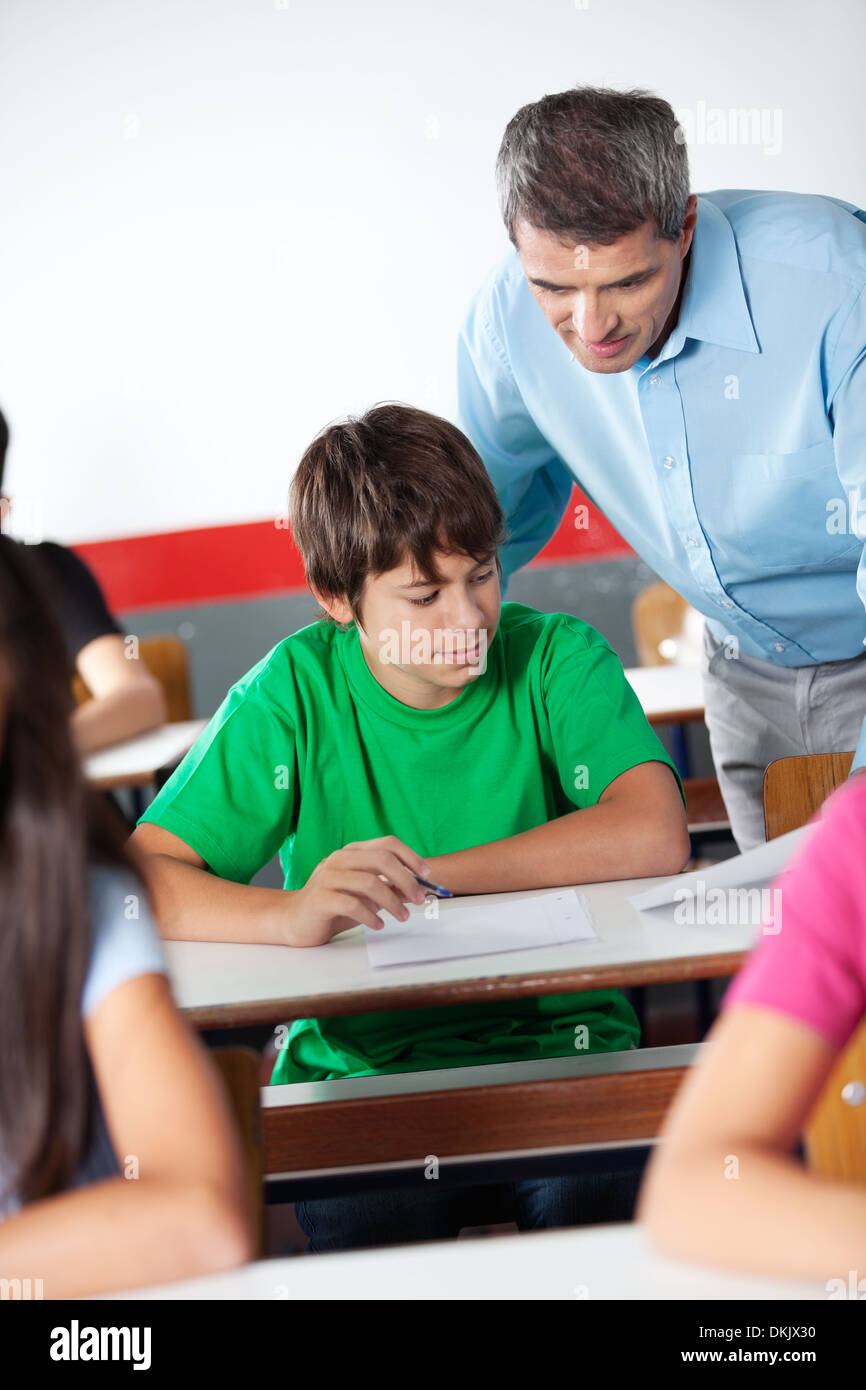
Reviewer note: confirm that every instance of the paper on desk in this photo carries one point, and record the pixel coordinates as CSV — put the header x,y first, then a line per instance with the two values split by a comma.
x,y
545,919
754,869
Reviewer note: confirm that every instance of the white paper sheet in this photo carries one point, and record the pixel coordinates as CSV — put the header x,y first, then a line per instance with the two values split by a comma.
x,y
754,869
461,929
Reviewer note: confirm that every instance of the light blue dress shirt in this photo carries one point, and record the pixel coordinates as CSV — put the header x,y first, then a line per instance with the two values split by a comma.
x,y
734,463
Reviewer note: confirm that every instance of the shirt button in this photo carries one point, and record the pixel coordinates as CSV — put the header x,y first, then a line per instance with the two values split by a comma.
x,y
655,379
692,540
669,462
778,646
727,603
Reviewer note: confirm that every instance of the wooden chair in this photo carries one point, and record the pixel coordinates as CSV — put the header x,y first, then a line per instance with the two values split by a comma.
x,y
666,630
794,788
165,658
665,626
835,1134
239,1069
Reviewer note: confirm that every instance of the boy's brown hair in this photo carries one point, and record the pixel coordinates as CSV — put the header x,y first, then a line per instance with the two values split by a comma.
x,y
394,483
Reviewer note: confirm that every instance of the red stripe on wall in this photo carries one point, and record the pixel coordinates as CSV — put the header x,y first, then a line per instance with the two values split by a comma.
x,y
204,566
221,563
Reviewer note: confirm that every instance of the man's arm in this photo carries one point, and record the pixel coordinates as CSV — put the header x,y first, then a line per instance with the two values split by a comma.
x,y
617,838
531,481
127,699
847,410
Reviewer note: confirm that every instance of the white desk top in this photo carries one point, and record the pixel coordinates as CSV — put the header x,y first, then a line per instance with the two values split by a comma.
x,y
595,1262
665,691
269,980
140,757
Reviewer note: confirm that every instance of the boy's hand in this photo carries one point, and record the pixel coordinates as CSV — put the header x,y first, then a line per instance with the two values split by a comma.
x,y
350,886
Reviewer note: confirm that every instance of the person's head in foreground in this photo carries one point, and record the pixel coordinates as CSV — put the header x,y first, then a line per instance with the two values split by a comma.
x,y
594,191
724,1187
399,526
96,1061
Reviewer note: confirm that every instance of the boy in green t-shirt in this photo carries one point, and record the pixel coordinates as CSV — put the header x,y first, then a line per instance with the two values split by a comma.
x,y
422,726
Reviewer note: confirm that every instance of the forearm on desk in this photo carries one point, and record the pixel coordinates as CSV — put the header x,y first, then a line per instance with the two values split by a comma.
x,y
193,904
773,1217
119,715
591,845
145,1232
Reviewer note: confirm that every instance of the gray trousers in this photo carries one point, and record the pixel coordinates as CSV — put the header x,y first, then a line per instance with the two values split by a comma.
x,y
757,712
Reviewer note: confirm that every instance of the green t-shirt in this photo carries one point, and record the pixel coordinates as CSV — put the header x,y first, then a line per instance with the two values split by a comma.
x,y
308,751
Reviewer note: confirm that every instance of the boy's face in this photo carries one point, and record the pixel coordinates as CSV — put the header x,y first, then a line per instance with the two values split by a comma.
x,y
425,642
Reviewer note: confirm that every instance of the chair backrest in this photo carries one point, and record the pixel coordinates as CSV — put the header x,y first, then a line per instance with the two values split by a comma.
x,y
165,658
665,627
835,1133
239,1068
794,788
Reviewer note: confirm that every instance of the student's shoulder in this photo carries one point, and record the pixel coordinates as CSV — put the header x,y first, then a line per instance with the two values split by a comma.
x,y
60,561
549,634
291,663
52,551
125,940
813,231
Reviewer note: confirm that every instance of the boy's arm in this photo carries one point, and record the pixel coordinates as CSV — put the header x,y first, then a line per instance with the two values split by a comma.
x,y
637,829
193,904
351,886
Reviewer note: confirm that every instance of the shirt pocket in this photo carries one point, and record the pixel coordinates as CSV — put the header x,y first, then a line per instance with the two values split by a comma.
x,y
782,506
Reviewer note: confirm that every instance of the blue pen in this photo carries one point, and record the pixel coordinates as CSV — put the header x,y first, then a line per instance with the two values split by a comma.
x,y
434,887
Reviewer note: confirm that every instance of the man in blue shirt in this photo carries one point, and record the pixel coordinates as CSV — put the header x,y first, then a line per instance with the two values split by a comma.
x,y
697,363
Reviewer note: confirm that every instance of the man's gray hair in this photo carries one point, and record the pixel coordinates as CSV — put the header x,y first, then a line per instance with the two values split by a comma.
x,y
591,165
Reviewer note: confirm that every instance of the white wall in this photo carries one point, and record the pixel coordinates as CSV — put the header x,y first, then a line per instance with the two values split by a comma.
x,y
225,222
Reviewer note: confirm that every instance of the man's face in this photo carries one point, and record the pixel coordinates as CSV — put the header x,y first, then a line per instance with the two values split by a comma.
x,y
425,641
609,304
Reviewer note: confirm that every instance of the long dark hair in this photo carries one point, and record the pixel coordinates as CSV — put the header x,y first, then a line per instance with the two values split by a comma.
x,y
51,827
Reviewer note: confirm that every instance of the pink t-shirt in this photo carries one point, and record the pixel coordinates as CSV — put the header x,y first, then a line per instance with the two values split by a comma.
x,y
814,968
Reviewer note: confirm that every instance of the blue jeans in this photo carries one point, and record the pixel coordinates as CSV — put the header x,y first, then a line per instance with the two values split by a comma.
x,y
437,1211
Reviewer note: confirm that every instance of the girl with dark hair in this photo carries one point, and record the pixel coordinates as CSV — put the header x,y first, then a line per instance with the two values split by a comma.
x,y
118,1161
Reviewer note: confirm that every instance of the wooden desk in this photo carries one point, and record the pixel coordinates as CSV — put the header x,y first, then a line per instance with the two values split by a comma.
x,y
136,761
595,1262
228,986
668,694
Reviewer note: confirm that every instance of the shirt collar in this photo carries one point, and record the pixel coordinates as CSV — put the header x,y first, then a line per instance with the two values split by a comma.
x,y
714,307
